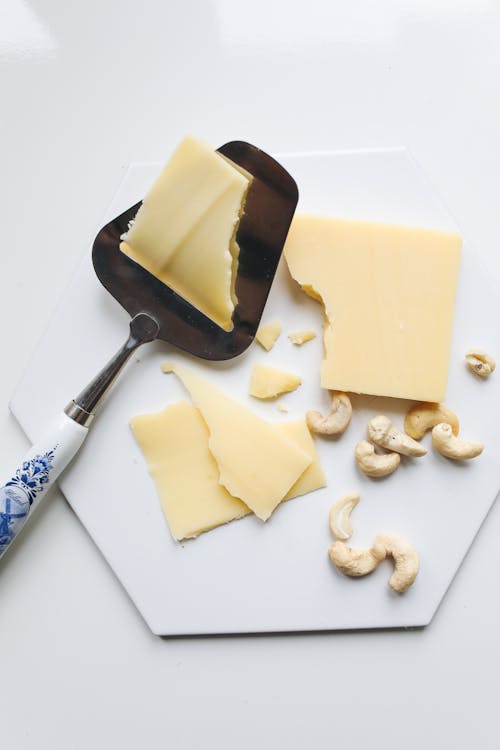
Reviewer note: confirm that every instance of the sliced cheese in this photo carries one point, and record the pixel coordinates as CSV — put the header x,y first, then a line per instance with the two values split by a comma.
x,y
184,232
174,443
313,477
301,337
269,382
388,294
268,334
257,464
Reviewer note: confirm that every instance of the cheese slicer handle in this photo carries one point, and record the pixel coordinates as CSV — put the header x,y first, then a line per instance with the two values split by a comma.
x,y
35,474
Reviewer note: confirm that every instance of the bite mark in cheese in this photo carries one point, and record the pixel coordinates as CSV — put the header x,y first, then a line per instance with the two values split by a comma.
x,y
257,464
269,382
268,334
174,443
184,232
389,295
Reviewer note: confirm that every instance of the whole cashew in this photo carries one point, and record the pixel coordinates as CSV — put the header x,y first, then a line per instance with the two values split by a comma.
x,y
450,446
424,416
356,562
375,464
405,558
480,362
340,522
337,420
381,431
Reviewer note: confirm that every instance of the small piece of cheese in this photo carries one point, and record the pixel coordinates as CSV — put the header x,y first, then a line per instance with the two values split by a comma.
x,y
269,382
268,334
389,295
282,407
174,443
301,337
257,464
184,232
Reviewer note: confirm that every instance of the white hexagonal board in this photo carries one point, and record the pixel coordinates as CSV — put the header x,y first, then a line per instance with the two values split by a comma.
x,y
248,576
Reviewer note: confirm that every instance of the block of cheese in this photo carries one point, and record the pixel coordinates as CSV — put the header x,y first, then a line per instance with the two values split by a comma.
x,y
388,294
257,464
174,443
184,232
269,382
268,334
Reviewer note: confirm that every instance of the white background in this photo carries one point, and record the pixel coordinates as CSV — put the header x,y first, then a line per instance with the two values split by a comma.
x,y
86,89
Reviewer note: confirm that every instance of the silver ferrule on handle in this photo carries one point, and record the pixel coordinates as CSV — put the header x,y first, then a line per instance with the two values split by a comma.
x,y
82,409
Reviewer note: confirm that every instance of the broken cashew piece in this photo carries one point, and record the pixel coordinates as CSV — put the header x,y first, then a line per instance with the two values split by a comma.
x,y
424,416
480,362
450,446
381,431
337,420
356,562
340,522
375,464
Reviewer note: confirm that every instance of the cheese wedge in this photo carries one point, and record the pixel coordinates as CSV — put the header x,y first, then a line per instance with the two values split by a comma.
x,y
388,294
256,463
269,382
174,443
184,232
268,334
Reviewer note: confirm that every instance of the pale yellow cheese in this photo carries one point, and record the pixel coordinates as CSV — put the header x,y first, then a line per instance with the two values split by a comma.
x,y
268,334
389,295
174,443
256,463
269,382
301,337
313,477
184,232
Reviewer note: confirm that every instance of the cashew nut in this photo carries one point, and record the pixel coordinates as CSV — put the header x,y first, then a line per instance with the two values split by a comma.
x,y
480,362
337,420
381,431
375,464
356,563
450,446
426,415
405,558
340,522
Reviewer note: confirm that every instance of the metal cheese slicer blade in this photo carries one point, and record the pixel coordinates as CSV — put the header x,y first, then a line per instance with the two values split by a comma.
x,y
160,313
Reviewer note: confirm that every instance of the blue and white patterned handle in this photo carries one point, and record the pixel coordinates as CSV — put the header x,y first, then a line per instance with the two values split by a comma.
x,y
39,469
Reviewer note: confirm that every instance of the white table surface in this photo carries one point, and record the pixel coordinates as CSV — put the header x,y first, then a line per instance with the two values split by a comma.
x,y
88,88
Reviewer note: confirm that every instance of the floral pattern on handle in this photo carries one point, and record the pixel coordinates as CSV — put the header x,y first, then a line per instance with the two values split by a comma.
x,y
18,494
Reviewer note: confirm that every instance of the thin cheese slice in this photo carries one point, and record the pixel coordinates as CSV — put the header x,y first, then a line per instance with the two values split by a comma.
x,y
256,463
174,443
184,232
389,295
301,337
269,382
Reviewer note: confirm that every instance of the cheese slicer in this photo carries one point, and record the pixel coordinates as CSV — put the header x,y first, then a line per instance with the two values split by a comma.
x,y
158,312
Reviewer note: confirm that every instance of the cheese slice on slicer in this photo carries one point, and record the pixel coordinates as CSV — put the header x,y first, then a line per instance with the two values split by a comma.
x,y
184,233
